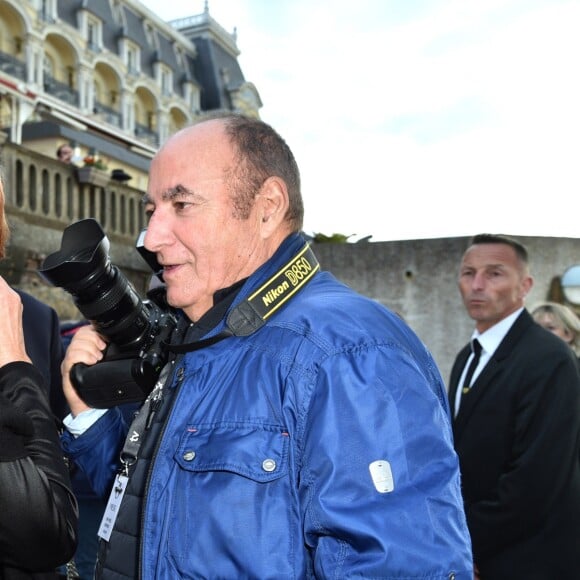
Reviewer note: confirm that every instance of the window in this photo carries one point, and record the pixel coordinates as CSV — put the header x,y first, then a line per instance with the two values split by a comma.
x,y
150,33
132,59
91,34
47,10
166,81
94,35
92,28
48,68
192,97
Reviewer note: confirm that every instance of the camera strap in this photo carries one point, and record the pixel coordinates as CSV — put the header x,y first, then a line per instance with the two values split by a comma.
x,y
252,313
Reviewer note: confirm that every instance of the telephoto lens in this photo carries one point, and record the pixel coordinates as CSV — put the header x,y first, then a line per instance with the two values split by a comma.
x,y
99,289
137,330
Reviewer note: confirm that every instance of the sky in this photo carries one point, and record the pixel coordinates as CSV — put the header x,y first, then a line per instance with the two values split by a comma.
x,y
418,119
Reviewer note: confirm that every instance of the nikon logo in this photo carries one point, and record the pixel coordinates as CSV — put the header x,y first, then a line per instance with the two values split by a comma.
x,y
275,293
295,275
291,279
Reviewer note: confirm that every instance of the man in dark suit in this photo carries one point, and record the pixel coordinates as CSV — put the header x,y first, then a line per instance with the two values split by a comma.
x,y
516,425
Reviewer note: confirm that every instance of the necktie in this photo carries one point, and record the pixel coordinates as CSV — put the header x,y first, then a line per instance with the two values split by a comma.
x,y
476,348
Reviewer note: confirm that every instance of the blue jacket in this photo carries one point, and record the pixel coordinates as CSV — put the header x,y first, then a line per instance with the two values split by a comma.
x,y
263,469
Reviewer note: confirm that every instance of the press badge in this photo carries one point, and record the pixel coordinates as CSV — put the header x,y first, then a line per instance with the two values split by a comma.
x,y
382,476
112,508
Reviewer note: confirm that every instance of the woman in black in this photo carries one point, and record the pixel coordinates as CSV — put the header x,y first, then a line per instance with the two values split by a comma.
x,y
38,510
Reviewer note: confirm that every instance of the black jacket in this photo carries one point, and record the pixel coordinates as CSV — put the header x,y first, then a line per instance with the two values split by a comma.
x,y
38,510
32,468
517,435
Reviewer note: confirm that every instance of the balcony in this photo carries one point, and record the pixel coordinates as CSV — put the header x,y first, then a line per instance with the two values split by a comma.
x,y
12,66
108,115
61,90
144,133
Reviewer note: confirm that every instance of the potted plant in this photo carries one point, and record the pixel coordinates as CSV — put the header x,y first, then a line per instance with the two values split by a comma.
x,y
93,171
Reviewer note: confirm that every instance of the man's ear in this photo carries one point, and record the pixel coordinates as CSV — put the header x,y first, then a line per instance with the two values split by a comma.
x,y
527,284
273,204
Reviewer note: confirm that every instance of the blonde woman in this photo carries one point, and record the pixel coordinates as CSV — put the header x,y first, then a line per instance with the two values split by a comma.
x,y
561,320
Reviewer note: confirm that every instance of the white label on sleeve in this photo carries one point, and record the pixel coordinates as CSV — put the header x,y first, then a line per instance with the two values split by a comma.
x,y
382,476
112,508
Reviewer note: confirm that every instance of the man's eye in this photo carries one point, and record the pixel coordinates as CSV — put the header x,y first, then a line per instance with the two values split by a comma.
x,y
181,205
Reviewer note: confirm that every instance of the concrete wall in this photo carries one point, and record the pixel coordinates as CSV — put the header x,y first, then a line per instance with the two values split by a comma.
x,y
418,279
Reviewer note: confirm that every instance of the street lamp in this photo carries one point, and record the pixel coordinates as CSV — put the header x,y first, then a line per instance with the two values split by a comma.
x,y
571,284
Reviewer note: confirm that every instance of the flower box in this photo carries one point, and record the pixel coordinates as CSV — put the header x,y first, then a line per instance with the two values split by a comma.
x,y
92,175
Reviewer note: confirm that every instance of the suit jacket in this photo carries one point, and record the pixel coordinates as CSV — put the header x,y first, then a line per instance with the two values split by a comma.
x,y
44,347
517,435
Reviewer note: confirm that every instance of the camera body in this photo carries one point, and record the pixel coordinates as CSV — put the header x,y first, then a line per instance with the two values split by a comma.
x,y
137,330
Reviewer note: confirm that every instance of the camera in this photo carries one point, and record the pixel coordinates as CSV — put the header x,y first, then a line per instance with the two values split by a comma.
x,y
137,330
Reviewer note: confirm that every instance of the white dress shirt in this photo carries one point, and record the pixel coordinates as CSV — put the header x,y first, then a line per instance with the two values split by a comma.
x,y
489,340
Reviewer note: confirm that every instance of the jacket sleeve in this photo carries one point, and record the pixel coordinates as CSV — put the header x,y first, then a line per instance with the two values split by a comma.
x,y
39,511
380,475
96,452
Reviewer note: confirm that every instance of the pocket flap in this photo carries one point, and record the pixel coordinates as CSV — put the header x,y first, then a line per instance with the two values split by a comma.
x,y
259,452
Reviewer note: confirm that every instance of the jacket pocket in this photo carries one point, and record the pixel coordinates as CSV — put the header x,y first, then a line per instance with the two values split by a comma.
x,y
256,451
231,497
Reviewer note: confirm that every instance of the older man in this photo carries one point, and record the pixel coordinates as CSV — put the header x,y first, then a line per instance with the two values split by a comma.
x,y
302,430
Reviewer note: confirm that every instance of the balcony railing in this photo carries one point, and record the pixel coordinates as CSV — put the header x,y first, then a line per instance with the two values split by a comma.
x,y
108,115
146,134
12,66
46,190
61,90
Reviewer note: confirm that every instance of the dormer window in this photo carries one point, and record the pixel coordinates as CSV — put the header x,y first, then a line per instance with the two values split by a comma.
x,y
47,10
166,80
150,33
132,58
94,34
192,97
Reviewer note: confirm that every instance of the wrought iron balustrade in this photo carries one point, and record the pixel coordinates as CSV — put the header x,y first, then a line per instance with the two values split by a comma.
x,y
12,65
61,90
146,134
108,114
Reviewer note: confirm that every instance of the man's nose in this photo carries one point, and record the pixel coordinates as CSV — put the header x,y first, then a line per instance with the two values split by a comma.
x,y
478,281
157,234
